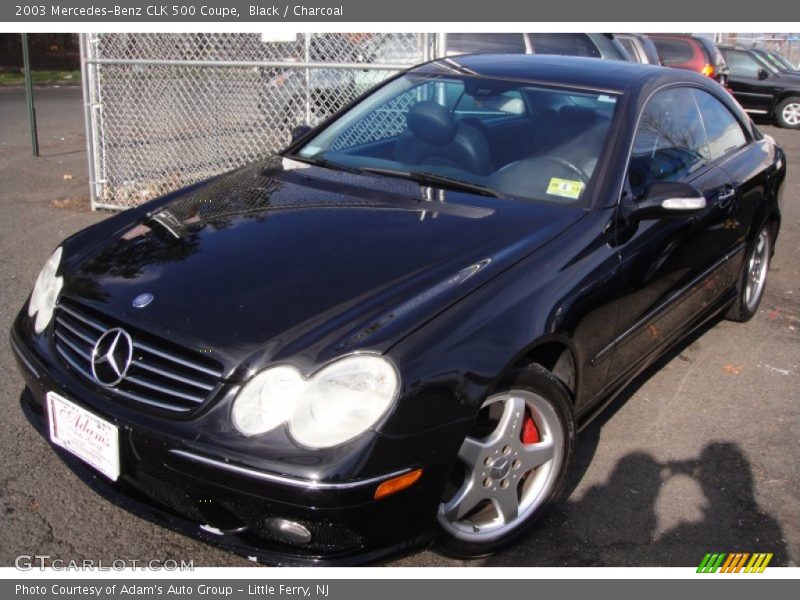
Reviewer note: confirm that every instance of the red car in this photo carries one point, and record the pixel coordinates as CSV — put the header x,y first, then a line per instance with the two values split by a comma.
x,y
691,52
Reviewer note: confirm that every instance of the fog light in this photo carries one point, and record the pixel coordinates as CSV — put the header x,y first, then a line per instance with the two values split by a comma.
x,y
287,531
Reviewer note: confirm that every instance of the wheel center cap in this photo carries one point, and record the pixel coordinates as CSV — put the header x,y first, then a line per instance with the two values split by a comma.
x,y
500,468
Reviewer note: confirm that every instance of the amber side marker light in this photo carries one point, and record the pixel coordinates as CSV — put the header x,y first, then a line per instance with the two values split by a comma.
x,y
397,484
708,70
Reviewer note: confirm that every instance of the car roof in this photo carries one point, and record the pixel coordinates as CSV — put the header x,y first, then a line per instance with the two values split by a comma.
x,y
572,71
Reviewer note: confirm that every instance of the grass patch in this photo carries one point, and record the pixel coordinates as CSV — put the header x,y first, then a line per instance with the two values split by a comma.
x,y
41,77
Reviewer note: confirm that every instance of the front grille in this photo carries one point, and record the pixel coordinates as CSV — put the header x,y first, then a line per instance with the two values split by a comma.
x,y
161,374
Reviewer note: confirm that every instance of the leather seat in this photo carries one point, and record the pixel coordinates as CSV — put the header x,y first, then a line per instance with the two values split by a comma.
x,y
434,137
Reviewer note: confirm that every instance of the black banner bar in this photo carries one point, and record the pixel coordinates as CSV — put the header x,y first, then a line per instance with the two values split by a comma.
x,y
468,11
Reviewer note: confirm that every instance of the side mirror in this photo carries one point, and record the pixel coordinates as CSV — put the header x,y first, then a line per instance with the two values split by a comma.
x,y
762,74
669,199
300,131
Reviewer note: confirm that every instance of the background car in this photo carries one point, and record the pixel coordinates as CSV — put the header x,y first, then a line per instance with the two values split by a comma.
x,y
593,45
639,47
695,53
761,88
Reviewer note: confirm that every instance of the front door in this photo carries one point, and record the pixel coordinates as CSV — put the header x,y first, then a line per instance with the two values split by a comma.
x,y
671,268
753,93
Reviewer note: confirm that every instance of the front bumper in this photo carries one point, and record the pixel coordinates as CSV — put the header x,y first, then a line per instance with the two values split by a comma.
x,y
227,504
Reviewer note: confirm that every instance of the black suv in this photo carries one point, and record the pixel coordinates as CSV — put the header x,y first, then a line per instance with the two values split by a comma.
x,y
761,88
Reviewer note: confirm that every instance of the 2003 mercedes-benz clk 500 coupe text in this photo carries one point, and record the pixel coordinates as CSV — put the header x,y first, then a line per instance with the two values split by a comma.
x,y
390,334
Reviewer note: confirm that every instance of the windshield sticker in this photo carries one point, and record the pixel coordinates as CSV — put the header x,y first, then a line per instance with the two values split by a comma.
x,y
607,99
565,188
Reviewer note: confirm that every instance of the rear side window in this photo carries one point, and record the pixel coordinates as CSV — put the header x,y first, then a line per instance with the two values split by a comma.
x,y
492,43
673,51
570,44
723,131
670,143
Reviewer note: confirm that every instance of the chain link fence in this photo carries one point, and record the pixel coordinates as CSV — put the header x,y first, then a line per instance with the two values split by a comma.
x,y
166,110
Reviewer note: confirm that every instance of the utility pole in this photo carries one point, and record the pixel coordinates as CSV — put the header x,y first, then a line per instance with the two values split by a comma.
x,y
26,65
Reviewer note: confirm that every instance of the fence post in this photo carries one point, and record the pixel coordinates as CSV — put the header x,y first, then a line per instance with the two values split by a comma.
x,y
26,66
88,124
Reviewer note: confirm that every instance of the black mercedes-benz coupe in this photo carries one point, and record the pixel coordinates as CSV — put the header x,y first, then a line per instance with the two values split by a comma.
x,y
390,334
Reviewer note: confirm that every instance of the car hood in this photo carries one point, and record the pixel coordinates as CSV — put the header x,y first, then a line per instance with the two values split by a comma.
x,y
280,261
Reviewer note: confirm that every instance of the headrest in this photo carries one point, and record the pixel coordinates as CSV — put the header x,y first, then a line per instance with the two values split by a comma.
x,y
431,122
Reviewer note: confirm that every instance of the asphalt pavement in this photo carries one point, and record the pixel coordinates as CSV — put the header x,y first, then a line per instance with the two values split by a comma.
x,y
700,454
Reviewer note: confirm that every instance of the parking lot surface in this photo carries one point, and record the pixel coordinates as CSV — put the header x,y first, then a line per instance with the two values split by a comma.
x,y
700,454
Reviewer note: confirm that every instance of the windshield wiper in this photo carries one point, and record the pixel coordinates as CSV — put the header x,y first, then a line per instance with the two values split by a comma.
x,y
433,179
322,162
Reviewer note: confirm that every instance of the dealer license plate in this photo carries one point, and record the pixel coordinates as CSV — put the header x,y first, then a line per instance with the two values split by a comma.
x,y
87,436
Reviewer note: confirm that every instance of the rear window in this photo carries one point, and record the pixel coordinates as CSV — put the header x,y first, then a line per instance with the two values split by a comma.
x,y
570,44
485,43
673,51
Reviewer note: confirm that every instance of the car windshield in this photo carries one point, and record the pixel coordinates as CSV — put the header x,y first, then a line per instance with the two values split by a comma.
x,y
780,62
482,135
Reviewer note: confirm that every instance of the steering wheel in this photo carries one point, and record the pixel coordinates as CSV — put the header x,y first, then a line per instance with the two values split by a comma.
x,y
563,162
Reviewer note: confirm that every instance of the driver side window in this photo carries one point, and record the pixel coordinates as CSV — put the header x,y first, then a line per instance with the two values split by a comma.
x,y
741,64
670,143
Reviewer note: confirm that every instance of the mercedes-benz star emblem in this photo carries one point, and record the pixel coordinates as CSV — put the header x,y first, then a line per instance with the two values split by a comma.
x,y
112,356
142,300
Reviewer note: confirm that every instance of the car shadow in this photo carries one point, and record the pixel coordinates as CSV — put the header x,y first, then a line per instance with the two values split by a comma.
x,y
615,523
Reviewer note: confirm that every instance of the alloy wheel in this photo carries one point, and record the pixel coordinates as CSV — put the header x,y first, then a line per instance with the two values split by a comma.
x,y
791,114
757,267
509,472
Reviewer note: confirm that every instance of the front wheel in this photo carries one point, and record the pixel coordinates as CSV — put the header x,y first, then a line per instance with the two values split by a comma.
x,y
753,279
787,113
511,466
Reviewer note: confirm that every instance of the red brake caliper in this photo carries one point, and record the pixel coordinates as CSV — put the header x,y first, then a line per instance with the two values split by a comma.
x,y
530,435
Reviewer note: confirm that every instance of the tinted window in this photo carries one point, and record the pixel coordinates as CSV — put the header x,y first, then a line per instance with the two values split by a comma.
x,y
570,44
670,143
673,51
742,63
497,43
475,130
722,129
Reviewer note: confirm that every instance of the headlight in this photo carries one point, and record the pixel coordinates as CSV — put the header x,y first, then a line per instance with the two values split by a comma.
x,y
45,292
334,405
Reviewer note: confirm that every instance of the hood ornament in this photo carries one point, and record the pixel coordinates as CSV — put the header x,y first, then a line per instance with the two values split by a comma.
x,y
112,356
142,300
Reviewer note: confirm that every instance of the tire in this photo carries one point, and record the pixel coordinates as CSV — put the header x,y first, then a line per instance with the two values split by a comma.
x,y
753,279
787,113
505,479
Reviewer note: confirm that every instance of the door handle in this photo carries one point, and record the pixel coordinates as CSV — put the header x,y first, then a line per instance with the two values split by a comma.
x,y
726,197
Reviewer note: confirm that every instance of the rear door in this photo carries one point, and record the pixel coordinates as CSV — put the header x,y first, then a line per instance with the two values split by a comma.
x,y
672,268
